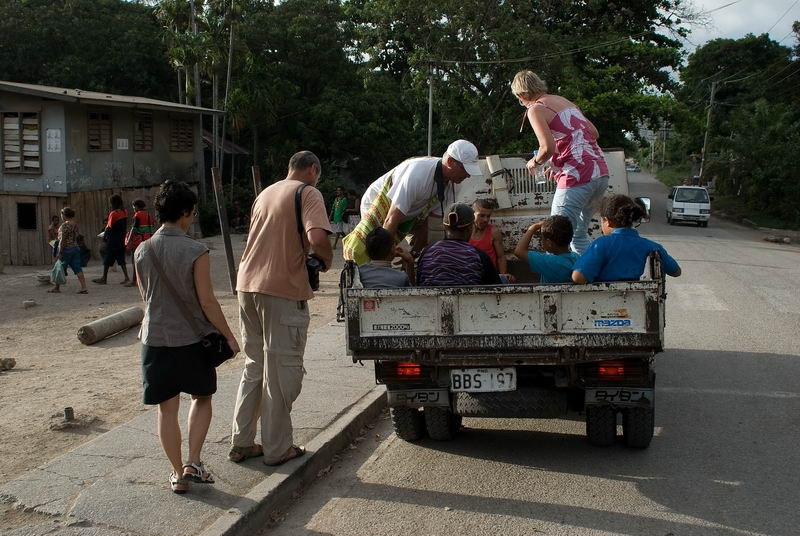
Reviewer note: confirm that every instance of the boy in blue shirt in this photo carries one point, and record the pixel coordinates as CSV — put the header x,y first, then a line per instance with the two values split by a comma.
x,y
555,264
621,254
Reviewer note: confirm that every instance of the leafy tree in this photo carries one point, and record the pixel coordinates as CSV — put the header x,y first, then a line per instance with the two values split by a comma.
x,y
67,43
766,179
604,56
753,129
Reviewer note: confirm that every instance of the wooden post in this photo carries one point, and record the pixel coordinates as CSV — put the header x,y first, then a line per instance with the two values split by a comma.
x,y
223,225
256,179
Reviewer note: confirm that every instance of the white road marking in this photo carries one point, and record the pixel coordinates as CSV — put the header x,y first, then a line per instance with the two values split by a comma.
x,y
728,392
784,300
694,298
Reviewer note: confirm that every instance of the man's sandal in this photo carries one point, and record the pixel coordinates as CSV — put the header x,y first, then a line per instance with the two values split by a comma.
x,y
178,484
240,454
293,452
197,473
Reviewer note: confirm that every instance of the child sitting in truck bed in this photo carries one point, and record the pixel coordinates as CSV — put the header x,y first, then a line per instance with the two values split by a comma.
x,y
621,254
378,273
555,264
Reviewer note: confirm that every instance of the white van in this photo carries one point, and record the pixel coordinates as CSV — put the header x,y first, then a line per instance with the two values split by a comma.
x,y
689,203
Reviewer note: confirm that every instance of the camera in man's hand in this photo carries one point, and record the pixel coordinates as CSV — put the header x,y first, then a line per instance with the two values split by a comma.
x,y
314,265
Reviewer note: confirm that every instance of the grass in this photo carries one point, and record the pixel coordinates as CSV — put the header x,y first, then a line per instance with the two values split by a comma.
x,y
675,175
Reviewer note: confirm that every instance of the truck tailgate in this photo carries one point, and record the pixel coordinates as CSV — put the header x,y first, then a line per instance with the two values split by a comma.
x,y
554,323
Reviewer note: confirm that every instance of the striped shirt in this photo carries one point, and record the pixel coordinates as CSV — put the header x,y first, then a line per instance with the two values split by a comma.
x,y
453,263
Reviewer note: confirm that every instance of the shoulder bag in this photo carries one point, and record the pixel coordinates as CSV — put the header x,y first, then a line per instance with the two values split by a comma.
x,y
216,349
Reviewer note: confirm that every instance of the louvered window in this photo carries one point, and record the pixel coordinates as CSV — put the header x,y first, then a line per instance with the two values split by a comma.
x,y
143,132
181,137
22,149
99,129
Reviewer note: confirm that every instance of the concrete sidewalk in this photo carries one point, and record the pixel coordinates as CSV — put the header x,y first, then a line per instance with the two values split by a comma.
x,y
117,483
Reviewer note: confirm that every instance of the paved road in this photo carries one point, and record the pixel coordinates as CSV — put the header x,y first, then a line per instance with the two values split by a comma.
x,y
724,460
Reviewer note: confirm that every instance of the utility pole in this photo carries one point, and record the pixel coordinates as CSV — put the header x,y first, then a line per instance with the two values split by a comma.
x,y
430,109
705,140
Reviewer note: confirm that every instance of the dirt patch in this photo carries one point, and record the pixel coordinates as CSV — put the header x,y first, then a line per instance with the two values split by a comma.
x,y
101,382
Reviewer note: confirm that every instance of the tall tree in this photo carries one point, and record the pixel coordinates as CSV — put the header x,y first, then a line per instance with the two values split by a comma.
x,y
66,43
603,56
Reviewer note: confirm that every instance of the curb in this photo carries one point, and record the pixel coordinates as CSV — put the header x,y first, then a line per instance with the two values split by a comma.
x,y
253,511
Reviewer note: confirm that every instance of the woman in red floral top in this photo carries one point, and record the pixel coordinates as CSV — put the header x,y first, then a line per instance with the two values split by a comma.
x,y
68,250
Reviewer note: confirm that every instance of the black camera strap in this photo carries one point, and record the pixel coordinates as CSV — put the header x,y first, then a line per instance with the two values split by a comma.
x,y
298,209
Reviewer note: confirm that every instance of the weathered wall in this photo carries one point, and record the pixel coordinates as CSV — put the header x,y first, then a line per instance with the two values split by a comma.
x,y
126,168
53,176
23,246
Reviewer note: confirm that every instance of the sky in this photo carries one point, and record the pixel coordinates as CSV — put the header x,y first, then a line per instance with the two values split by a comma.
x,y
733,19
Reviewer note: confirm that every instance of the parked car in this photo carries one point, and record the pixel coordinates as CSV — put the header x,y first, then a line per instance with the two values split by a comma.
x,y
633,167
689,203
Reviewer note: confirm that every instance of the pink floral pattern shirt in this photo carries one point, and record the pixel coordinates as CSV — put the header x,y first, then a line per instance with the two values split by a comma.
x,y
578,158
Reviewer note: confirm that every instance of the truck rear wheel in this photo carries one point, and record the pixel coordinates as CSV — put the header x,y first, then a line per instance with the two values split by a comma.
x,y
409,423
637,426
442,424
601,425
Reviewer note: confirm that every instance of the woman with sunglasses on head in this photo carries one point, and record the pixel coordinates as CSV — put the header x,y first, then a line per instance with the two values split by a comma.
x,y
569,141
172,360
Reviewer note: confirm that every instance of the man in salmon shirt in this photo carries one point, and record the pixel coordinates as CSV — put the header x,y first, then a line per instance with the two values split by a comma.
x,y
273,291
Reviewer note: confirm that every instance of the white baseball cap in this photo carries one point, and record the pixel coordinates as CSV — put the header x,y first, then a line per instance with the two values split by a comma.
x,y
466,153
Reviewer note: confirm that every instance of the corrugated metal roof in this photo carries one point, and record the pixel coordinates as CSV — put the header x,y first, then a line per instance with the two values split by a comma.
x,y
105,99
227,146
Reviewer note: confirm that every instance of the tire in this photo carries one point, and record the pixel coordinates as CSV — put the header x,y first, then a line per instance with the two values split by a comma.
x,y
669,219
637,427
409,423
705,224
601,425
442,424
700,224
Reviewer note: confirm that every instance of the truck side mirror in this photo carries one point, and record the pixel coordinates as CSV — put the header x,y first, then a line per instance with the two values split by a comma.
x,y
644,202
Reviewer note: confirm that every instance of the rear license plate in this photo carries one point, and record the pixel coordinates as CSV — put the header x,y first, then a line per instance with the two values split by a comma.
x,y
483,380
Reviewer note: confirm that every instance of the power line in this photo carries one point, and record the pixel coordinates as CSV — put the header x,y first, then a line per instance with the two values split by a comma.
x,y
784,14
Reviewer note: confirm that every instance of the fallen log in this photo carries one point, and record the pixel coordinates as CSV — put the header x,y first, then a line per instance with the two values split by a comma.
x,y
110,325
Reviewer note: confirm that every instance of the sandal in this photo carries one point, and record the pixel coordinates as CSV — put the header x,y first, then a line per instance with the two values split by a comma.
x,y
178,484
197,473
240,454
54,291
84,291
294,452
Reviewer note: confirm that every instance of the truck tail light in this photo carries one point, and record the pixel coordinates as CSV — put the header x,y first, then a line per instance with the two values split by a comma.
x,y
408,370
609,369
402,371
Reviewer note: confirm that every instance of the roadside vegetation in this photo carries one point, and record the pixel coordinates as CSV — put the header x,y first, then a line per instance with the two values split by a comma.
x,y
351,80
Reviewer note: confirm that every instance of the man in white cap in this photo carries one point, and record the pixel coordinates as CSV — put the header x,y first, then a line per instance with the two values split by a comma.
x,y
401,200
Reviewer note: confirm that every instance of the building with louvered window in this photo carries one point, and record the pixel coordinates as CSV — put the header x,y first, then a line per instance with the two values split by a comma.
x,y
68,147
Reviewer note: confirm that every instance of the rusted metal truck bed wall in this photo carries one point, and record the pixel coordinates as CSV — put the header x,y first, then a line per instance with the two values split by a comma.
x,y
515,320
